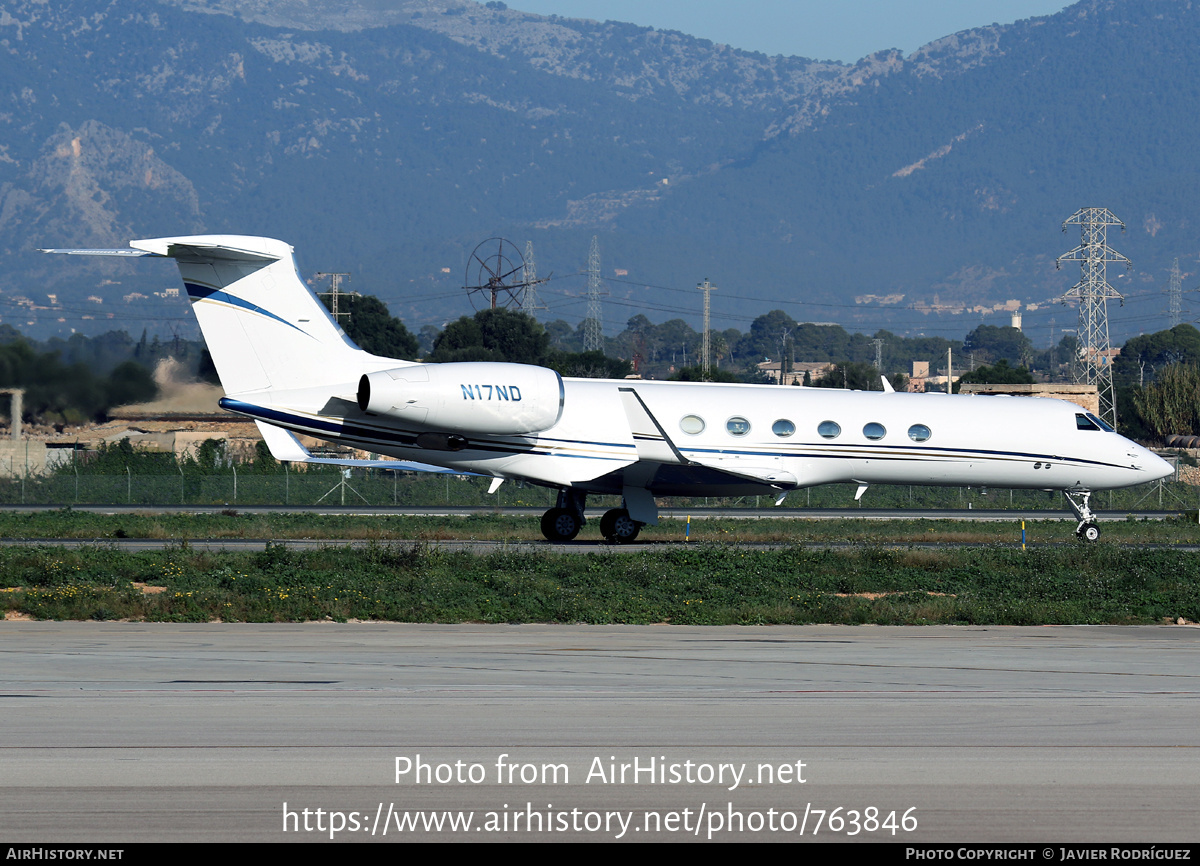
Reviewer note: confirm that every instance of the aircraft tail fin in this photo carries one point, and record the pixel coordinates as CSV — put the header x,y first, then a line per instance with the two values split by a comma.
x,y
264,327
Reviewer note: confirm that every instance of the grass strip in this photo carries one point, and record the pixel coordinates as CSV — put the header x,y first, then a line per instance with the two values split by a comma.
x,y
68,523
705,584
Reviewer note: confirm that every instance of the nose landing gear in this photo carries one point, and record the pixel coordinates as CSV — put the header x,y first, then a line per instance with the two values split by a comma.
x,y
1087,530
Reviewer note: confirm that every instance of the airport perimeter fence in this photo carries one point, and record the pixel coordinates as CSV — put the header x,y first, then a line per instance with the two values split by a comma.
x,y
232,487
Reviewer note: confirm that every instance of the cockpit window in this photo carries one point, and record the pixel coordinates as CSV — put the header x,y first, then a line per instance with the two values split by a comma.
x,y
1084,422
1101,423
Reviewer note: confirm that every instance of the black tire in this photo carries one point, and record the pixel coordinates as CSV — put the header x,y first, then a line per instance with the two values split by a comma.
x,y
558,524
618,527
1089,532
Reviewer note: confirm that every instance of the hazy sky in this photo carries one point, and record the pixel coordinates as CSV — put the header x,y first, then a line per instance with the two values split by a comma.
x,y
819,29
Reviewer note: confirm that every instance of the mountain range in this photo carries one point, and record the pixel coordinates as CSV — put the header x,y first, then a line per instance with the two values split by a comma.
x,y
387,138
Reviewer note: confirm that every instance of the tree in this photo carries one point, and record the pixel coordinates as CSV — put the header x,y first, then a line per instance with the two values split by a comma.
x,y
588,365
427,337
561,334
130,383
211,457
1172,403
374,329
264,461
991,343
492,335
999,374
765,336
696,374
855,375
1141,361
1142,356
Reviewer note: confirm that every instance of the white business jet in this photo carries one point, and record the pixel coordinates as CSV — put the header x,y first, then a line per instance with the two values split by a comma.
x,y
285,363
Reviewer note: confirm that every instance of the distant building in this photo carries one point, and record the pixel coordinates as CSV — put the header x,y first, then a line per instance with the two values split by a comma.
x,y
920,373
1086,396
795,376
1100,358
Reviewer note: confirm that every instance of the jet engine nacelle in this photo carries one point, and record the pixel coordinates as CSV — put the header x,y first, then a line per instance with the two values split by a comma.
x,y
484,398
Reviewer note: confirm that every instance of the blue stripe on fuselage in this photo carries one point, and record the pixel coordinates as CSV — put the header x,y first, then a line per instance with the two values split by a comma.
x,y
358,432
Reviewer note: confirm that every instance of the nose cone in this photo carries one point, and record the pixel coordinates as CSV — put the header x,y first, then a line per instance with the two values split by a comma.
x,y
1153,466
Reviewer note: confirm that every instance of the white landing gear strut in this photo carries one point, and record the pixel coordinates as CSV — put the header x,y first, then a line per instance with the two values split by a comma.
x,y
1087,530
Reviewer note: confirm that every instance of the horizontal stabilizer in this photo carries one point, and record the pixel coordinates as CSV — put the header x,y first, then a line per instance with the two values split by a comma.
x,y
285,446
102,252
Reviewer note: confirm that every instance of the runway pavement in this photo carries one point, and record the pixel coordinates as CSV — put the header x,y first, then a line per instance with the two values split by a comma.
x,y
125,732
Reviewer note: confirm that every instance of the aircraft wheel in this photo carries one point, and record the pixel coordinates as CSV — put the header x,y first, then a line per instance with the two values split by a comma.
x,y
1088,532
618,527
558,524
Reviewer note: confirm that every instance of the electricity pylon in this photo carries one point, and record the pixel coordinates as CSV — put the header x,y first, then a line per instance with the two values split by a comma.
x,y
1175,296
1093,291
706,343
593,325
529,298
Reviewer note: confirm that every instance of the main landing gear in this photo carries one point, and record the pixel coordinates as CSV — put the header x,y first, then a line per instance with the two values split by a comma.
x,y
563,522
1088,529
618,527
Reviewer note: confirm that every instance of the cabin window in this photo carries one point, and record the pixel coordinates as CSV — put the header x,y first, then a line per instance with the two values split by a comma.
x,y
919,433
783,427
829,429
691,424
874,431
737,426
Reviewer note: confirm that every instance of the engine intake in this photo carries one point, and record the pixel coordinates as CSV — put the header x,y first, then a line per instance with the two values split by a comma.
x,y
482,398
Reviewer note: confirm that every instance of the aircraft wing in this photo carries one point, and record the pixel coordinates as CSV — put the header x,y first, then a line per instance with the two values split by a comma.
x,y
655,445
